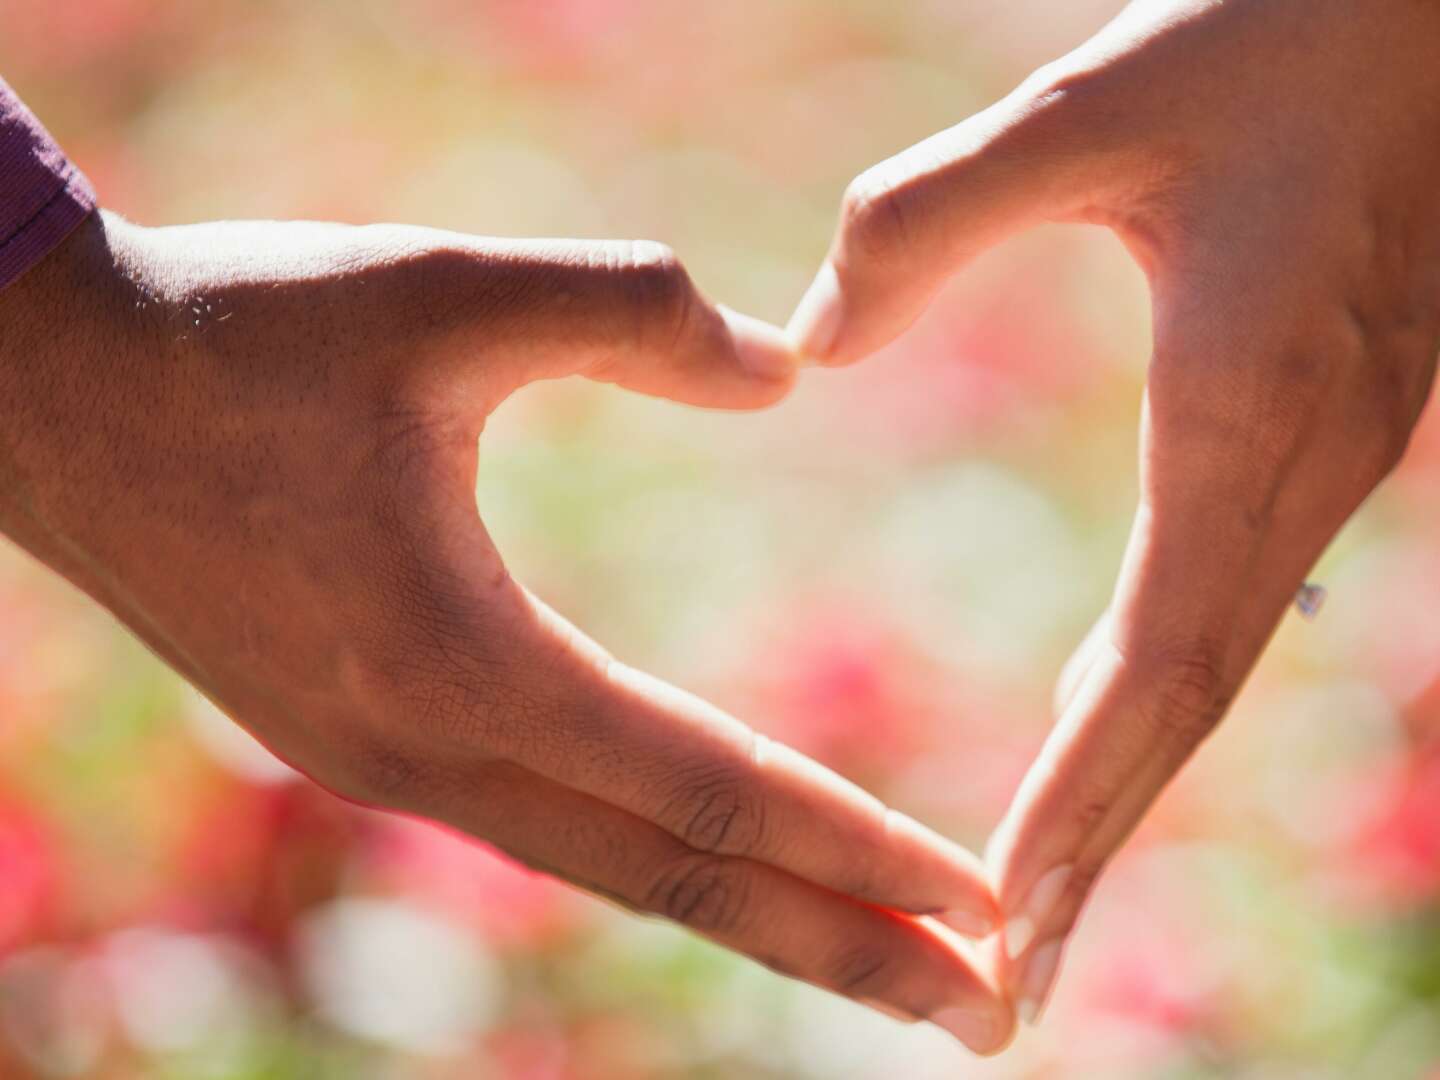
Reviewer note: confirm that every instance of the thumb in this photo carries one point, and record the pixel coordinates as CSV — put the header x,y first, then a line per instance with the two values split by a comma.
x,y
909,223
623,312
628,313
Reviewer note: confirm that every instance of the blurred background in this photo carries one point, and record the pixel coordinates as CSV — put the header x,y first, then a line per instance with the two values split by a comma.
x,y
887,571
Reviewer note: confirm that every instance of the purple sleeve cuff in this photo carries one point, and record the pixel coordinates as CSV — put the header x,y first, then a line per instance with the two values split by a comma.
x,y
42,196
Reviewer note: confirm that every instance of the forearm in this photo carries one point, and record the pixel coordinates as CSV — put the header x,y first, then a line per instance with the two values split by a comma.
x,y
39,424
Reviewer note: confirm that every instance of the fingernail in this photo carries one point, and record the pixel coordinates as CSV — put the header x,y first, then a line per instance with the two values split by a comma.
x,y
762,350
1019,932
815,326
968,923
1039,977
978,1030
892,1011
1020,929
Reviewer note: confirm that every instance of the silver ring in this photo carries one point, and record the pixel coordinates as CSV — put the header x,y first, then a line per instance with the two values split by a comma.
x,y
1310,599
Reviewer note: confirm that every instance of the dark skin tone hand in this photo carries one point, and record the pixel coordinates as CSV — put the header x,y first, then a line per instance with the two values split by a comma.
x,y
257,445
1274,166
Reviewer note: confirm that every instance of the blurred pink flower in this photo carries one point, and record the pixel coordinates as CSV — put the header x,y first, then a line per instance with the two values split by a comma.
x,y
562,31
469,881
78,33
982,361
629,70
1144,978
258,856
123,180
1144,981
43,653
1394,859
555,40
29,877
843,687
524,1053
975,767
1401,591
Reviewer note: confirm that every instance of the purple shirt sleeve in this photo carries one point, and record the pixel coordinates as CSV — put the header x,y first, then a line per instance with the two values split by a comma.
x,y
42,196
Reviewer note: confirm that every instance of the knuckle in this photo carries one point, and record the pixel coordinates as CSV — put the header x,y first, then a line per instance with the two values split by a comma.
x,y
652,265
869,851
659,288
1186,690
723,821
1058,107
873,215
433,286
1063,88
707,893
866,970
714,812
711,824
1079,110
1090,813
392,252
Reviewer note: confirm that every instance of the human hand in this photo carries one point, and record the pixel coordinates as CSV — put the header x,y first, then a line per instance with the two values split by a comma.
x,y
257,445
1275,169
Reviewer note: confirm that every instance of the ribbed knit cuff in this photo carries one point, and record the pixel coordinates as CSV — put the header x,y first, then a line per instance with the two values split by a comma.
x,y
42,195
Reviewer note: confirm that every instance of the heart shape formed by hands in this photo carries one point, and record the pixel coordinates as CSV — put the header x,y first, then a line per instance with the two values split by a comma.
x,y
276,492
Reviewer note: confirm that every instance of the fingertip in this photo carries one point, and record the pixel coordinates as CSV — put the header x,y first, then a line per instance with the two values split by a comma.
x,y
969,923
763,350
976,1009
1019,933
960,879
975,913
1029,958
1010,1031
983,1031
1007,1027
1037,981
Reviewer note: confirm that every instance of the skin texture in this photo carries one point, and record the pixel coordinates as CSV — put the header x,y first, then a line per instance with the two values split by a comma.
x,y
257,443
1274,166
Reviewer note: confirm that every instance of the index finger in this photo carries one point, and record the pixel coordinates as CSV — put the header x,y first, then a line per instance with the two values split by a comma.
x,y
721,788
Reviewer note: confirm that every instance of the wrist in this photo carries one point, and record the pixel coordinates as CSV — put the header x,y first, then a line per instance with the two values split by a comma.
x,y
55,351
